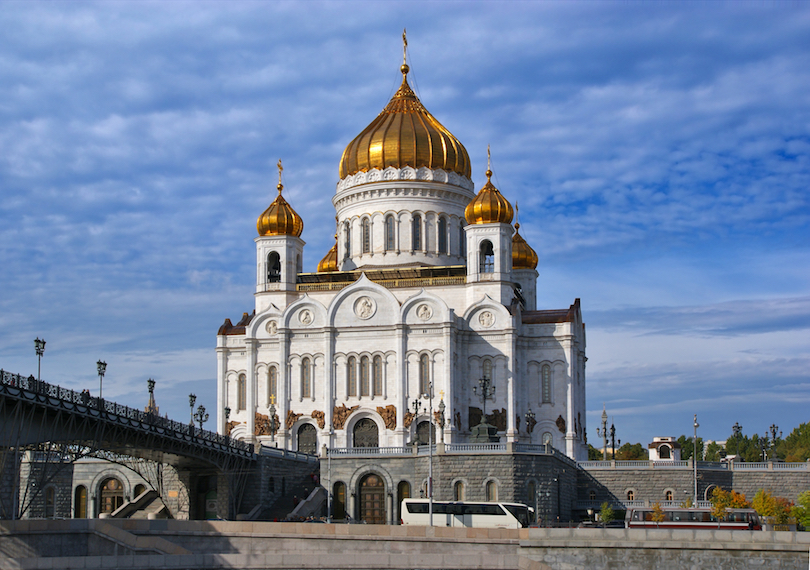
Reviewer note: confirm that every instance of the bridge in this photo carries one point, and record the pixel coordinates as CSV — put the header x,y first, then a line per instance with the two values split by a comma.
x,y
57,426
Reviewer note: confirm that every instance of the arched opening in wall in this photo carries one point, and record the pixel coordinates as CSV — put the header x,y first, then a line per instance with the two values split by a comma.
x,y
631,495
458,491
664,452
442,237
486,257
366,225
669,495
547,438
372,499
347,239
364,376
365,433
351,377
50,502
377,376
272,385
403,492
423,433
545,374
492,491
307,439
241,392
707,494
390,242
80,502
273,267
424,374
111,496
306,378
139,489
416,233
339,500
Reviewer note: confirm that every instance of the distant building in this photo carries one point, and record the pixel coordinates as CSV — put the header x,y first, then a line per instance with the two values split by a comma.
x,y
665,449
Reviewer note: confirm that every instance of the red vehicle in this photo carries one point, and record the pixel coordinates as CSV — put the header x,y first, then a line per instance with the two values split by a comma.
x,y
675,517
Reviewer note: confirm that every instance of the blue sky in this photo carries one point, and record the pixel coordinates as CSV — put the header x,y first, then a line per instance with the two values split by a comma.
x,y
660,154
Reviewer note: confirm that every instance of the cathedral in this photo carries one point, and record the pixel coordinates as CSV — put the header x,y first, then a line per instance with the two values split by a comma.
x,y
424,308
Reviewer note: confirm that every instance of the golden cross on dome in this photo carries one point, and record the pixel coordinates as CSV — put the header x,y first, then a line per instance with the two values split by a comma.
x,y
280,168
517,216
441,394
404,43
273,396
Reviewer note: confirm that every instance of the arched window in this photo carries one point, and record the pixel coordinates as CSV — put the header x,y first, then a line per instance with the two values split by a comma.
x,y
307,439
487,369
487,257
366,235
545,374
631,495
306,378
364,376
241,392
272,385
339,500
366,433
347,238
50,502
458,491
424,374
492,491
425,433
80,502
668,496
442,237
547,438
377,376
416,232
112,495
139,488
403,492
591,495
462,242
351,377
273,267
663,452
390,242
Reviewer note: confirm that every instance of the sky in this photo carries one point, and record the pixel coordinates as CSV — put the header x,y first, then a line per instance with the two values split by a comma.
x,y
659,153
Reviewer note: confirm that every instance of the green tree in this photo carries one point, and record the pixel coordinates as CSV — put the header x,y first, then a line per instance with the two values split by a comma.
x,y
796,446
767,505
687,446
607,513
746,448
594,454
631,452
802,510
657,514
714,451
723,500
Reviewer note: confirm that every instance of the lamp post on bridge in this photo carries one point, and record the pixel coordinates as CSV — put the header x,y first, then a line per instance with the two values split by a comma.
x,y
530,424
201,416
39,346
272,423
192,398
227,417
101,366
603,433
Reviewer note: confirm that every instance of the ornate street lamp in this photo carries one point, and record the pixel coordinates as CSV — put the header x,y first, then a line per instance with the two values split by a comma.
x,y
442,408
201,416
272,424
39,346
603,433
694,461
737,429
487,393
191,400
529,423
101,366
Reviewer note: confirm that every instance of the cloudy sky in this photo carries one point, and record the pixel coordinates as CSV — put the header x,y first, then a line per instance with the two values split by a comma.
x,y
660,154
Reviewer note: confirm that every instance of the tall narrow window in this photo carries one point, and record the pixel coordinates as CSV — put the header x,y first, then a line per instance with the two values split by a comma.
x,y
364,376
546,381
492,491
272,385
273,267
347,238
80,502
487,369
366,236
389,234
487,257
442,237
241,392
424,374
306,378
416,232
458,491
377,376
351,377
462,242
50,502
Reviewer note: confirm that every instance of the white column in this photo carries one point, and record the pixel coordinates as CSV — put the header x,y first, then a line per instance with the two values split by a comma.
x,y
222,392
511,433
250,349
402,384
570,437
329,374
283,386
449,353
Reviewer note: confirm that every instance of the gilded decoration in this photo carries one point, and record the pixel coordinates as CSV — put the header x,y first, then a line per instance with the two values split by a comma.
x,y
560,424
292,417
261,424
523,256
408,419
341,414
319,417
388,415
489,206
279,218
329,261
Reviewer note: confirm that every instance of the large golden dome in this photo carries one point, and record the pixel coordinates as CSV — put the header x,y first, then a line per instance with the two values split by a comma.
x,y
280,219
329,261
405,134
523,256
489,206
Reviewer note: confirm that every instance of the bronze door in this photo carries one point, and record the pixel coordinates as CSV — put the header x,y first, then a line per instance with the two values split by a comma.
x,y
372,500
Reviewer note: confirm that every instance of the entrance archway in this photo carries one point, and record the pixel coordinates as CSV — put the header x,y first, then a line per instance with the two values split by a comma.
x,y
424,432
403,492
366,433
112,495
80,503
372,499
307,439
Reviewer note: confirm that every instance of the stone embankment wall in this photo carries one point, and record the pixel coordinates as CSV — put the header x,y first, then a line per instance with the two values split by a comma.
x,y
219,544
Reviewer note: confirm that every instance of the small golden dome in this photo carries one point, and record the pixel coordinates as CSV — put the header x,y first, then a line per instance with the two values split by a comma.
x,y
329,261
405,134
280,219
523,256
489,206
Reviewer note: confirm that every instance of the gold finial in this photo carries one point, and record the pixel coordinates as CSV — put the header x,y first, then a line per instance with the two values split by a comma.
x,y
280,168
273,396
517,216
489,163
441,394
404,69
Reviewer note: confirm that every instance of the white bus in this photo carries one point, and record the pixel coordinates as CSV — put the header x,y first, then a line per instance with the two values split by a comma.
x,y
491,515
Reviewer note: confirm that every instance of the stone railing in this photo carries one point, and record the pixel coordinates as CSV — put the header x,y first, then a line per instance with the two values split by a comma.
x,y
287,454
620,504
701,465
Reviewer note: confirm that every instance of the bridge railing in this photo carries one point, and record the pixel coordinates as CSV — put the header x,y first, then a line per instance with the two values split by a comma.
x,y
96,406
